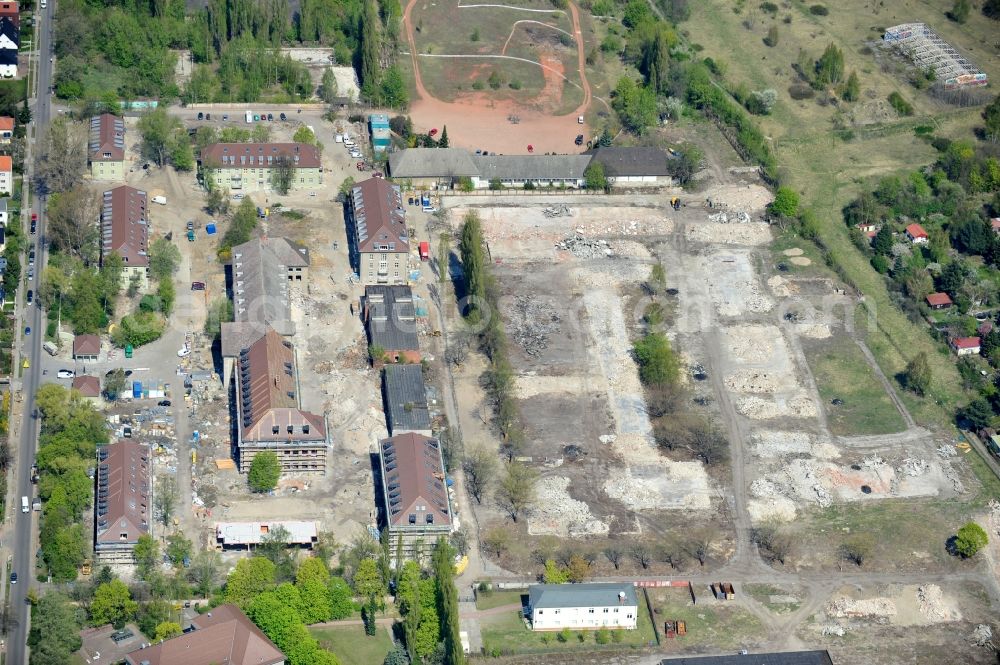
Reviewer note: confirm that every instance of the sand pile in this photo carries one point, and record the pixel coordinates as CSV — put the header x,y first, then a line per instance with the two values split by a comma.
x,y
793,251
751,381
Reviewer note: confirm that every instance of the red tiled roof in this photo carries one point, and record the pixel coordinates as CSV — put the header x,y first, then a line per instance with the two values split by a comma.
x,y
965,342
10,10
223,635
6,123
267,394
86,345
938,299
88,386
916,231
6,164
107,137
995,223
123,493
414,480
379,217
124,225
258,155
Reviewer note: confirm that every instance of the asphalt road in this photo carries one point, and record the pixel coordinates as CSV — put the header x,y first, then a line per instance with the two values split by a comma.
x,y
24,543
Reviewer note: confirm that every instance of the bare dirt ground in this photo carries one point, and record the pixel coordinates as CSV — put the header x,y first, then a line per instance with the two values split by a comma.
x,y
474,121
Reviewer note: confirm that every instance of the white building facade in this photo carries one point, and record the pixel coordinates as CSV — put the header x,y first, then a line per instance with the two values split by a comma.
x,y
583,606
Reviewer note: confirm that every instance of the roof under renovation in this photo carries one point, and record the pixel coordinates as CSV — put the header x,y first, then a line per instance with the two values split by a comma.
x,y
379,217
123,501
413,481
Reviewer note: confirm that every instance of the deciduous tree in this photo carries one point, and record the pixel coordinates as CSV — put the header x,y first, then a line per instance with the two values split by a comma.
x,y
480,470
249,579
970,539
917,376
516,492
112,604
265,470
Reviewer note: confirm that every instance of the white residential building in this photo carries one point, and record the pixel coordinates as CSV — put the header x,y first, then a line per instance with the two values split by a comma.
x,y
583,606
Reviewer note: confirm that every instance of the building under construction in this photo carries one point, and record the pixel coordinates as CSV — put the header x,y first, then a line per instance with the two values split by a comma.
x,y
927,50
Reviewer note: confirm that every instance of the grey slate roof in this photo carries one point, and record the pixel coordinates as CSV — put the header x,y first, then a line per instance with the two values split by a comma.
x,y
631,161
390,318
531,167
260,279
545,596
405,398
431,163
788,658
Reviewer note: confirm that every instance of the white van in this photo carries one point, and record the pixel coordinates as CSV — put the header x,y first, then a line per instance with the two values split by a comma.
x,y
162,200
25,507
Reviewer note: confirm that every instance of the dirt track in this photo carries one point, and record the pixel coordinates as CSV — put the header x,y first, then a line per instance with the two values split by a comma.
x,y
476,121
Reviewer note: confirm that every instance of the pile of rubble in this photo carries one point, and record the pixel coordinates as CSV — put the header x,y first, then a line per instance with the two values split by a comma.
x,y
982,636
585,248
556,513
530,322
749,233
736,217
751,381
932,605
557,211
914,467
879,610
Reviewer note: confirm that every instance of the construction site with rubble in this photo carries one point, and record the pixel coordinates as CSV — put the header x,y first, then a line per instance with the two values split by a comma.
x,y
749,321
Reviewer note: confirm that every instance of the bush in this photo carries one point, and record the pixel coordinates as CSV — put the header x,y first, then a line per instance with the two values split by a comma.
x,y
800,91
902,106
602,8
657,362
478,85
819,10
970,539
769,7
603,636
772,36
515,85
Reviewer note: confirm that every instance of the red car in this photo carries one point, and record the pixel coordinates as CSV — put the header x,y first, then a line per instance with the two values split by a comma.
x,y
34,216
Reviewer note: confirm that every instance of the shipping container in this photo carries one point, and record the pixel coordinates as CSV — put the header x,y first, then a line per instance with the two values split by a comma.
x,y
137,389
425,251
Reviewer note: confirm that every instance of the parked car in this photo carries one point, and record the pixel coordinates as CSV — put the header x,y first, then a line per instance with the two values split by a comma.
x,y
190,225
270,117
197,286
201,116
13,578
579,139
208,116
165,402
237,196
31,272
65,374
183,352
34,223
128,372
31,296
283,116
225,117
27,330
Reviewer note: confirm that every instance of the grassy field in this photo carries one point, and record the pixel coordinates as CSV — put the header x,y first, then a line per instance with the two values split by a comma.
x,y
352,646
829,171
765,593
911,533
487,601
723,626
841,372
507,633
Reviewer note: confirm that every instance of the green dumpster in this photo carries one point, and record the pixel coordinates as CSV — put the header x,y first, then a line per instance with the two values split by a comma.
x,y
128,350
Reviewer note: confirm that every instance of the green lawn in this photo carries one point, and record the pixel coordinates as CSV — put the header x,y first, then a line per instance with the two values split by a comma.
x,y
487,601
723,626
507,634
842,372
352,646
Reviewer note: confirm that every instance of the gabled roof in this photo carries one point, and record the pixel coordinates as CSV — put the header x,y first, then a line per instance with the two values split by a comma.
x,y
6,123
413,481
5,161
259,155
268,395
123,503
432,163
965,342
916,231
390,317
531,167
622,161
223,636
260,280
10,10
405,398
125,225
938,299
379,217
86,345
10,30
597,594
107,136
87,385
8,56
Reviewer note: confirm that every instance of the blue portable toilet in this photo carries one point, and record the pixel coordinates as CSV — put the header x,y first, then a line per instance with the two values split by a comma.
x,y
210,229
137,390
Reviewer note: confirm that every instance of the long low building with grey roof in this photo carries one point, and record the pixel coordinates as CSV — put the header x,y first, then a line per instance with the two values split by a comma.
x,y
405,397
449,167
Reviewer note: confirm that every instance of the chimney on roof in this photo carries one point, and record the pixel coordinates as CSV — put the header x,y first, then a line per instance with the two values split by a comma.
x,y
621,597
